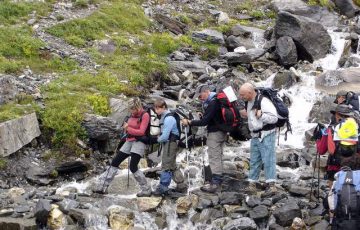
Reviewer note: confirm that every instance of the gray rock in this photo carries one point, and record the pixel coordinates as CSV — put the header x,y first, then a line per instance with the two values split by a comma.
x,y
244,223
286,50
259,213
299,190
292,6
68,204
38,175
231,198
119,109
234,58
72,167
335,80
87,218
320,112
209,35
284,79
347,7
100,128
206,201
322,225
233,42
286,213
17,223
196,67
252,201
303,30
8,89
31,21
106,46
245,31
172,25
6,212
178,56
17,133
22,208
209,215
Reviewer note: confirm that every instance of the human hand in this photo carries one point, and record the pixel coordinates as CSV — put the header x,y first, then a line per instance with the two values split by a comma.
x,y
125,125
258,113
243,113
185,122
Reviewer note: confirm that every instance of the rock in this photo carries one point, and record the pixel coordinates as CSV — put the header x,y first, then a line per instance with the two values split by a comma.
x,y
67,204
312,220
252,201
246,31
72,167
284,79
233,42
206,200
275,226
209,35
347,8
231,198
302,30
234,58
31,21
196,67
56,219
320,112
178,56
259,213
241,49
41,212
223,18
147,204
286,213
183,204
322,225
119,109
15,134
15,192
6,212
38,175
299,190
207,216
244,223
17,223
120,218
335,80
172,25
8,89
286,50
292,6
87,218
106,46
22,208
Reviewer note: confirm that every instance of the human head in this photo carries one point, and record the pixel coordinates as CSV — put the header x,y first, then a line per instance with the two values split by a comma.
x,y
342,111
160,106
202,92
247,92
340,97
135,105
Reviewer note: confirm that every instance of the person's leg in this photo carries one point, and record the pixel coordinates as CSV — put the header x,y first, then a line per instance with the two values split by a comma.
x,y
139,175
255,160
268,156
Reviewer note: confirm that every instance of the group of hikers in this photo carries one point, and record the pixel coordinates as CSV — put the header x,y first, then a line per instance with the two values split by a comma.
x,y
264,114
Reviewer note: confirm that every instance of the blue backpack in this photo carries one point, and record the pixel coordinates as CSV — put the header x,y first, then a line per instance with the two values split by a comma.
x,y
347,196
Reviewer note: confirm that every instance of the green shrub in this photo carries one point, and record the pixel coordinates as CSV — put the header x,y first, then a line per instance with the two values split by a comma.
x,y
99,104
81,3
3,163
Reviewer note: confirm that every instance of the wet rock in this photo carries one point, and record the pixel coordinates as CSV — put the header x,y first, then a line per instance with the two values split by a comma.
x,y
41,212
8,89
183,204
284,79
334,80
72,167
147,204
209,35
120,218
302,30
106,46
286,50
252,201
299,190
312,220
209,215
120,185
235,209
244,223
347,8
231,198
56,219
286,213
206,200
172,25
6,212
234,185
17,223
259,213
275,226
15,134
67,204
320,112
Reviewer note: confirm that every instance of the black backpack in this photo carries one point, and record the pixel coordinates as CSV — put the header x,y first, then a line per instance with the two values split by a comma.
x,y
353,99
281,109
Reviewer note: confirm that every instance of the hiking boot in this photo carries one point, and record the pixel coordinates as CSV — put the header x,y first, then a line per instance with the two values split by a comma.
x,y
181,188
159,192
252,188
144,186
105,179
211,188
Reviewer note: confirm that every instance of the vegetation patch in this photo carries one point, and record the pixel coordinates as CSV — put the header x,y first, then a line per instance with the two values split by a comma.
x,y
13,12
3,163
325,3
23,104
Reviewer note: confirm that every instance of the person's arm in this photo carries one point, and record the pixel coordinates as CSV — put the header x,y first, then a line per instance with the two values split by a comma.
x,y
143,126
208,115
268,112
169,123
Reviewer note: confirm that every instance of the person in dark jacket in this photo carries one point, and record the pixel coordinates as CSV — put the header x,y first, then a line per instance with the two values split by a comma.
x,y
215,137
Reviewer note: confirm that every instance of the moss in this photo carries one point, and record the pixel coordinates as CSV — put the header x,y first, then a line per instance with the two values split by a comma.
x,y
13,110
357,2
14,12
3,163
120,15
325,3
81,3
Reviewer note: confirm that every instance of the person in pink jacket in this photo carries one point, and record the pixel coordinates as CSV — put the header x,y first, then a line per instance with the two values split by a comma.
x,y
135,128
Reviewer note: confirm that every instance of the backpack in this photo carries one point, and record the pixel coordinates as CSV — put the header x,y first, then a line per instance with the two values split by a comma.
x,y
229,111
353,99
347,198
320,136
153,128
281,109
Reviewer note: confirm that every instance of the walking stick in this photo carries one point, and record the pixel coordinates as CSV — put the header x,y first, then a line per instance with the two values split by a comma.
x,y
313,174
187,158
128,176
318,193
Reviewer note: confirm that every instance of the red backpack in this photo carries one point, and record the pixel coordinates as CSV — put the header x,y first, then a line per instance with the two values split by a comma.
x,y
229,113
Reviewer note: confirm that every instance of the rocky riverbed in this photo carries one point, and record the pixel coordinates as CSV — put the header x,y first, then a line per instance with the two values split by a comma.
x,y
309,52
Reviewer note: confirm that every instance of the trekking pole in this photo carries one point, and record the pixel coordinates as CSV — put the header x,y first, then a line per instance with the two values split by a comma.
x,y
187,158
128,176
318,194
203,157
312,179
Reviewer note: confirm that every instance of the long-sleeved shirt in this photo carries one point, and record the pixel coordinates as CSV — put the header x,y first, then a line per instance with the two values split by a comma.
x,y
212,115
137,128
168,126
269,116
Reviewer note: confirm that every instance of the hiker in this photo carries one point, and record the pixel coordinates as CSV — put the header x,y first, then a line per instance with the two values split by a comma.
x,y
348,98
262,145
215,137
170,135
135,127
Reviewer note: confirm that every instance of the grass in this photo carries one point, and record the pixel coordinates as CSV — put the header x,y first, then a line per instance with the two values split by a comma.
x,y
23,104
3,163
15,12
325,3
16,52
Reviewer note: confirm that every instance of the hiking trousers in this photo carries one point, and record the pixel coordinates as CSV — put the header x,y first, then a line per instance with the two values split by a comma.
x,y
215,142
168,156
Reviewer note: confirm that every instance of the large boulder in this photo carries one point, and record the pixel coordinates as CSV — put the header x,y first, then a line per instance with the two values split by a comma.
x,y
235,58
15,134
196,67
286,213
311,38
336,80
233,42
292,6
209,35
347,7
56,218
243,223
284,79
119,109
41,212
286,50
320,112
8,89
